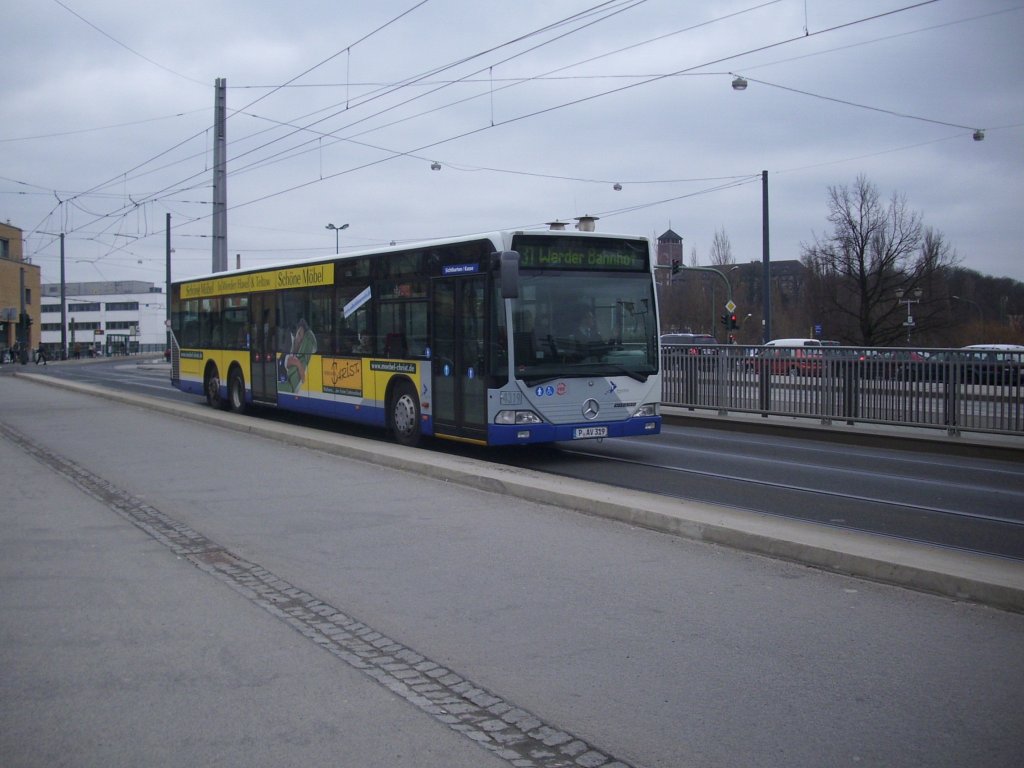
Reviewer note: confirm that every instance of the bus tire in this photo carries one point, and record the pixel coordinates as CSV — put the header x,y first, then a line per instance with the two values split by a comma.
x,y
236,392
211,386
404,414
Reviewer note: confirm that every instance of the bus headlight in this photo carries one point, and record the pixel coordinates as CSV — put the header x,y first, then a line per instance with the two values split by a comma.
x,y
647,409
517,417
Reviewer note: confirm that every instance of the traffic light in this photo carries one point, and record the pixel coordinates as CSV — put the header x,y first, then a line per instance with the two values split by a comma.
x,y
733,325
676,265
725,319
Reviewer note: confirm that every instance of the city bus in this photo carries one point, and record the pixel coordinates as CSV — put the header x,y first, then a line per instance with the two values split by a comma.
x,y
499,339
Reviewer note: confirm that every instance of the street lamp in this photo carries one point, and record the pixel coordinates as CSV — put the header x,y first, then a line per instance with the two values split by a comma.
x,y
740,84
336,231
908,301
977,306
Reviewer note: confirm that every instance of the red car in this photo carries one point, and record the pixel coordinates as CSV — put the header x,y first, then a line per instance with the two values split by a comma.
x,y
789,361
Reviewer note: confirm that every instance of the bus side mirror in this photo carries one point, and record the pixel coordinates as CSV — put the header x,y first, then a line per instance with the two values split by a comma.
x,y
509,275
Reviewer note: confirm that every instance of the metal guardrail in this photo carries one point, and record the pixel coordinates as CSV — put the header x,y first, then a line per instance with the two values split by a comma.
x,y
952,389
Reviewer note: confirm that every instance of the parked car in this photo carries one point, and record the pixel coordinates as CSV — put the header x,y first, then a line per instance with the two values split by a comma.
x,y
903,364
999,364
993,363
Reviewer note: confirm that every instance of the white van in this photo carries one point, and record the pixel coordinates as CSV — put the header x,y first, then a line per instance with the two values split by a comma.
x,y
793,343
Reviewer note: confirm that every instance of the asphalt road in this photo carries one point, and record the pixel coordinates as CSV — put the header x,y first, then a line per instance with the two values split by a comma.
x,y
177,593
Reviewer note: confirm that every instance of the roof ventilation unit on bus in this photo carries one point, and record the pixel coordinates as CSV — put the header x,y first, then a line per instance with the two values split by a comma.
x,y
556,225
585,223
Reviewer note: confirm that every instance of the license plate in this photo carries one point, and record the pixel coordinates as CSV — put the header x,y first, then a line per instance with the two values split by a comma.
x,y
582,433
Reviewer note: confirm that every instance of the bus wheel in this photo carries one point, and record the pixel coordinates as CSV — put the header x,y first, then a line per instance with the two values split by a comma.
x,y
236,392
405,414
212,388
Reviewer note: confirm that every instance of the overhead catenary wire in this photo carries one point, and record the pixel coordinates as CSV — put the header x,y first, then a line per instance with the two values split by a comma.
x,y
365,37
348,48
508,121
294,151
582,100
177,188
615,90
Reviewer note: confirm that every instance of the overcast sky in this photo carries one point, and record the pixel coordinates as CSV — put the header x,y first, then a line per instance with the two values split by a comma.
x,y
534,109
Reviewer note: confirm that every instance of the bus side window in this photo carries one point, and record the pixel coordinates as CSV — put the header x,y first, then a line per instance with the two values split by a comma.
x,y
190,334
416,328
402,327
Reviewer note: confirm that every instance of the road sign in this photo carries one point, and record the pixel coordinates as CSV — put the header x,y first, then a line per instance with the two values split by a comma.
x,y
730,306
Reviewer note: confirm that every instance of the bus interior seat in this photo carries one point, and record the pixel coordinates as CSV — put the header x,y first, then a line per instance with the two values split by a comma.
x,y
395,345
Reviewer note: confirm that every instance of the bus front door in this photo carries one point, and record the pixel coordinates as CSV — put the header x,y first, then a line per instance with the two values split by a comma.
x,y
262,337
459,384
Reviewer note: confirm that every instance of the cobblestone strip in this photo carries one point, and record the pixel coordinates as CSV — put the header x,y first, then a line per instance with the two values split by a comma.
x,y
497,725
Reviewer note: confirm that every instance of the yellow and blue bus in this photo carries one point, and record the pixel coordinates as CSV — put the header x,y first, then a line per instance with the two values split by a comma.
x,y
499,339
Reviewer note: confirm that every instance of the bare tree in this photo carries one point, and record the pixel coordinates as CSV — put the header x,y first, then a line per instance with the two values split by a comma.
x,y
721,250
877,257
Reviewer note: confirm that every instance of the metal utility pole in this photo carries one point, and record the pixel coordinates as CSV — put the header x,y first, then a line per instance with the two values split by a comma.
x,y
167,284
63,306
220,193
764,380
766,279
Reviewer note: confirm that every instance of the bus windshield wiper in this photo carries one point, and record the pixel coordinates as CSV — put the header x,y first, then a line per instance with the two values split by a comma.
x,y
635,375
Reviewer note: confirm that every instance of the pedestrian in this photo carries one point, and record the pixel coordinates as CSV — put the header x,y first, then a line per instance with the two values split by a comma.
x,y
40,355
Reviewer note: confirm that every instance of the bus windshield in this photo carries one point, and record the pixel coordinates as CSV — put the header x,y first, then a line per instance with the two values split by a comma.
x,y
569,324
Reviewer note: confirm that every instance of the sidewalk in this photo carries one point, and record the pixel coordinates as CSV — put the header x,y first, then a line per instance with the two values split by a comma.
x,y
115,652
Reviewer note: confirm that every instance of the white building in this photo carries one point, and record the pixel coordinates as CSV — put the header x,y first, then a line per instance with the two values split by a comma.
x,y
119,317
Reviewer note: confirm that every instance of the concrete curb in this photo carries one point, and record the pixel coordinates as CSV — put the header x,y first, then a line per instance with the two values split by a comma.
x,y
960,575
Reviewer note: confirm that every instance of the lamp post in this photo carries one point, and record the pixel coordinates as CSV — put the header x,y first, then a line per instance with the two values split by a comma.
x,y
336,231
739,83
908,301
766,274
977,306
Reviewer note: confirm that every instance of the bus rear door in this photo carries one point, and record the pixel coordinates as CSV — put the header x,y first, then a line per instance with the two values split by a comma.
x,y
263,354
